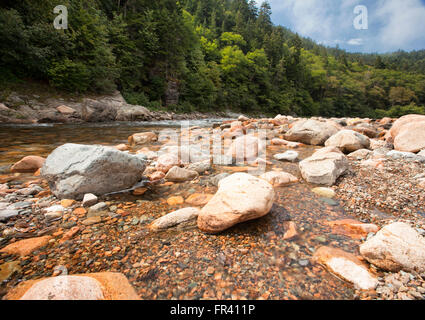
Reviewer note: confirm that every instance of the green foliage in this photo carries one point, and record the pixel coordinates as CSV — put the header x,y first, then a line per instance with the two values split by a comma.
x,y
222,54
69,75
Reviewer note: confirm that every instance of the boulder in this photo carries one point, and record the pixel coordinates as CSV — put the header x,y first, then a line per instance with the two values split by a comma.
x,y
90,286
66,110
311,131
142,138
166,161
28,164
73,170
360,154
247,148
129,112
278,179
346,266
65,288
98,111
409,156
411,137
240,197
174,218
324,166
200,167
396,247
348,141
177,174
399,123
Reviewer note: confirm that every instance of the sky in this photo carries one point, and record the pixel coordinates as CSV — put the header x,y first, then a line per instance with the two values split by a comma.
x,y
385,25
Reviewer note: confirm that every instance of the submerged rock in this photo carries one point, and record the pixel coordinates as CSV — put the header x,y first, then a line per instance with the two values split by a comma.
x,y
240,197
174,218
346,266
73,170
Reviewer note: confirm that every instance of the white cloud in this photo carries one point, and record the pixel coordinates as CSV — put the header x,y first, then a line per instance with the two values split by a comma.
x,y
403,23
393,24
355,42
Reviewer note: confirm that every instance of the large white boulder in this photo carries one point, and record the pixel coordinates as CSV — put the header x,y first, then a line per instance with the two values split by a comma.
x,y
396,247
240,197
324,166
73,170
311,131
348,141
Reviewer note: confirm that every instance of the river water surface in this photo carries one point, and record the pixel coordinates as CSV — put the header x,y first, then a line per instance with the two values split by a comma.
x,y
250,260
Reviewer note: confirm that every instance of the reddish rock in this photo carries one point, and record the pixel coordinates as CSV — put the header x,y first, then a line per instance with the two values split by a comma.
x,y
174,201
28,164
113,286
291,230
157,175
27,246
199,199
352,228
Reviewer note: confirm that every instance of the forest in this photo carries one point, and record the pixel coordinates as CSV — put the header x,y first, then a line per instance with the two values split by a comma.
x,y
201,55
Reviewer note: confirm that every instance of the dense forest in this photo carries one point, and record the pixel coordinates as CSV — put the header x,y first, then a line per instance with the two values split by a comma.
x,y
202,55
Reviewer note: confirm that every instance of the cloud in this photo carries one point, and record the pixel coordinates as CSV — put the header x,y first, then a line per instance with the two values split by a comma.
x,y
355,42
393,24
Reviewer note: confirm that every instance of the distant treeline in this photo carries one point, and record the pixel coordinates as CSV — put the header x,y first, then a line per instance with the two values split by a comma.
x,y
202,55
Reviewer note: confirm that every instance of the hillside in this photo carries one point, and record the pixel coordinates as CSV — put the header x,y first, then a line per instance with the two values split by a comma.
x,y
208,55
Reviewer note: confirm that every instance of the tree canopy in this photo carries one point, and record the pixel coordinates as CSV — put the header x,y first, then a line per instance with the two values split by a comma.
x,y
219,54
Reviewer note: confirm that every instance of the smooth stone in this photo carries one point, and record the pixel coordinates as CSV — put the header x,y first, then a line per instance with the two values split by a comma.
x,y
324,192
73,170
278,178
291,156
348,141
7,214
396,247
346,266
177,174
240,197
324,166
174,218
89,200
65,288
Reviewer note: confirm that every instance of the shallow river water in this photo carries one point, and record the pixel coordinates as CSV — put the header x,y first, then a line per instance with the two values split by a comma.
x,y
250,260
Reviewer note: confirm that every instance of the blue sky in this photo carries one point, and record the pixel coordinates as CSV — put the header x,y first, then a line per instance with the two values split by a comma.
x,y
392,24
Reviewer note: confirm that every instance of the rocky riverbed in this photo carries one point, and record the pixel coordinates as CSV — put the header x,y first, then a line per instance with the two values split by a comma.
x,y
288,208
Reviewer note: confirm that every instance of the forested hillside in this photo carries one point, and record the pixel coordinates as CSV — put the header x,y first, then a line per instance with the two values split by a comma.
x,y
208,55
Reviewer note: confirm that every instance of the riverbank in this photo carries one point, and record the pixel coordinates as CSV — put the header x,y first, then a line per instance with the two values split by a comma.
x,y
30,108
312,209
